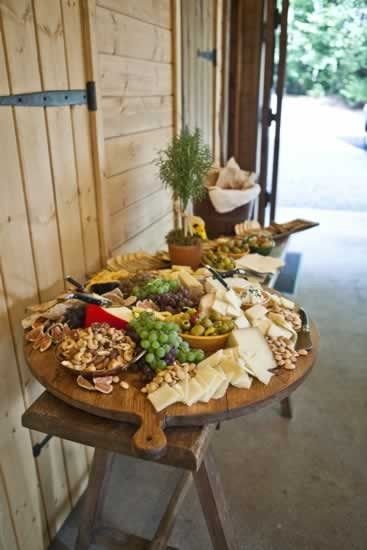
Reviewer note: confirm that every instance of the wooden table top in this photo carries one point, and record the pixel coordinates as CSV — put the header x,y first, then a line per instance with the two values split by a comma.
x,y
133,407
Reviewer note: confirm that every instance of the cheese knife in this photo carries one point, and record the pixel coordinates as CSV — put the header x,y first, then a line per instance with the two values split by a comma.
x,y
304,335
217,276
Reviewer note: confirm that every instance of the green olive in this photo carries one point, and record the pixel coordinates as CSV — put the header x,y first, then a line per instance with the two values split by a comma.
x,y
185,325
210,331
197,330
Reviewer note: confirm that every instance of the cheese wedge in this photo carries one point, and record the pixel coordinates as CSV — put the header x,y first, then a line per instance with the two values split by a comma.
x,y
232,298
164,397
188,281
234,311
256,312
251,340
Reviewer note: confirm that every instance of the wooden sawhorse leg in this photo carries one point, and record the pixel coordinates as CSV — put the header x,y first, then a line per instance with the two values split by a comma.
x,y
286,408
211,496
214,506
94,497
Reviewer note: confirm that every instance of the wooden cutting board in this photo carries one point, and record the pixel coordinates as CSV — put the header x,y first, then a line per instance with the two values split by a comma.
x,y
133,407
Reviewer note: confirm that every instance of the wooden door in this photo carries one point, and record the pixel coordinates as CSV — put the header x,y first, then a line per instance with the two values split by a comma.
x,y
253,41
48,228
198,19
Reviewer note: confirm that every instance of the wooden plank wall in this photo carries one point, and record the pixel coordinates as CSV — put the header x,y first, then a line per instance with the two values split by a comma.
x,y
134,45
48,228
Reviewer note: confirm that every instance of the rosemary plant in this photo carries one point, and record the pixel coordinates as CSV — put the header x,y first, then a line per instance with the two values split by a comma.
x,y
183,168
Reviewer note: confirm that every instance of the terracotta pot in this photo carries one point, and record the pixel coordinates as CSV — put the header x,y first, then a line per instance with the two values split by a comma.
x,y
185,255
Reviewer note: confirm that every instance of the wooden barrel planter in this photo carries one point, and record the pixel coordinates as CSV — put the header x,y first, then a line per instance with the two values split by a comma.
x,y
221,224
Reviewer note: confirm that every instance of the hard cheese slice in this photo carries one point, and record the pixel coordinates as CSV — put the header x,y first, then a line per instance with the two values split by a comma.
x,y
255,351
212,360
210,380
256,312
164,397
223,387
195,392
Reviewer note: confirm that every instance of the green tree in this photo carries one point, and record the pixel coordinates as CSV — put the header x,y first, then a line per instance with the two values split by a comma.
x,y
327,49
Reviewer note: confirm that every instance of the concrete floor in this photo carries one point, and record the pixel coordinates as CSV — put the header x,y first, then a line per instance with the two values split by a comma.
x,y
291,485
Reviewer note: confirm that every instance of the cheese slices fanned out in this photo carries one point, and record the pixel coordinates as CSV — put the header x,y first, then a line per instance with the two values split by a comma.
x,y
254,350
164,397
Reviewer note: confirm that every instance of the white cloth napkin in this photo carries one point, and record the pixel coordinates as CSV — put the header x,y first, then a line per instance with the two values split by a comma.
x,y
226,200
259,263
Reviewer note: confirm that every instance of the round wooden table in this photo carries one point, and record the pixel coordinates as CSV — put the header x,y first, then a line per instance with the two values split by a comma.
x,y
133,407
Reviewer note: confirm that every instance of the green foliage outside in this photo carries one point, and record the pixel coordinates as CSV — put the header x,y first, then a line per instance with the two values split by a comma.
x,y
327,49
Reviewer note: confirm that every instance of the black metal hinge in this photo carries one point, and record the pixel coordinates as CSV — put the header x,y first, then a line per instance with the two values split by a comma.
x,y
55,98
209,55
271,117
37,448
267,198
277,18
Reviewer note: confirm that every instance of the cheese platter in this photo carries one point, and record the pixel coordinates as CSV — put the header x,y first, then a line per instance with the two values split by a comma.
x,y
170,347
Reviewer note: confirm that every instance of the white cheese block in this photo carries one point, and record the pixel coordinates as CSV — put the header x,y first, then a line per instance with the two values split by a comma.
x,y
241,322
214,386
223,387
212,285
252,341
188,281
255,369
163,397
122,312
231,368
287,303
256,312
242,381
234,311
263,325
237,283
182,389
232,299
209,380
213,360
195,391
276,331
220,307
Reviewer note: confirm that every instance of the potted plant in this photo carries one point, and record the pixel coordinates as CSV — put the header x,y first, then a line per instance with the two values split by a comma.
x,y
183,168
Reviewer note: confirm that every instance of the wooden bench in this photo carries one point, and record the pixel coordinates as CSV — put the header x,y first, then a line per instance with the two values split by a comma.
x,y
188,449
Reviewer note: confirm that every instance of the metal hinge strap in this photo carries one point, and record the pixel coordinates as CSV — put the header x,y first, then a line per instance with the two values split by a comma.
x,y
209,55
54,98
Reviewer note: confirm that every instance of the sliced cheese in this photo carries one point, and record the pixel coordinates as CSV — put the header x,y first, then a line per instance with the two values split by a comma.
x,y
231,369
255,369
241,322
242,381
256,312
220,307
232,299
251,340
223,387
237,283
263,325
164,397
234,311
276,331
209,379
121,312
288,304
213,360
195,391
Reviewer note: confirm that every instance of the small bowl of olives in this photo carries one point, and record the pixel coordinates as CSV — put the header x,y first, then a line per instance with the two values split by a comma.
x,y
206,332
261,243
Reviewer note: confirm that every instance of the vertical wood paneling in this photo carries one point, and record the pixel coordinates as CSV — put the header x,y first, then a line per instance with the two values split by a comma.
x,y
134,44
18,478
48,223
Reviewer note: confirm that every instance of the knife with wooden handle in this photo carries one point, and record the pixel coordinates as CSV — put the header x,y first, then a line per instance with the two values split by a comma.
x,y
304,335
